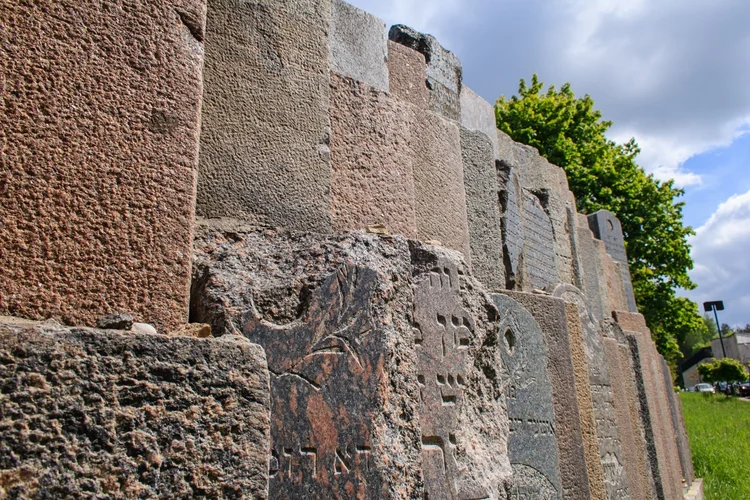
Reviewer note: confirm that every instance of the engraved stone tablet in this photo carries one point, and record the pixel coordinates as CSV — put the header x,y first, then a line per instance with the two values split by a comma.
x,y
539,252
532,445
607,228
509,196
601,393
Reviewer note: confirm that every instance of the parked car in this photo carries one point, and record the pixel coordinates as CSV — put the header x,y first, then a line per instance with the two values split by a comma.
x,y
705,388
743,390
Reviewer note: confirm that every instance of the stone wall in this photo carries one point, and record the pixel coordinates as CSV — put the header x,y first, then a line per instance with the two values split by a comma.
x,y
424,313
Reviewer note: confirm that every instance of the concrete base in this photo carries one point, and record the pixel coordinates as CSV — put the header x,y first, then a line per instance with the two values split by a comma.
x,y
696,490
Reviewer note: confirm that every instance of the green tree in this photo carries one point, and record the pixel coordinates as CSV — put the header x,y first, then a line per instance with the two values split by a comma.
x,y
602,174
699,338
723,370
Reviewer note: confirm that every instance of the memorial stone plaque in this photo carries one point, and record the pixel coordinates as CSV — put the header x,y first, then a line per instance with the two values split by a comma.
x,y
509,195
325,372
607,228
443,333
532,445
601,394
539,253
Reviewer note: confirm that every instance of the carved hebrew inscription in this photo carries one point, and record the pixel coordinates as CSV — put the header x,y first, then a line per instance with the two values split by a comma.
x,y
539,252
325,370
443,335
532,444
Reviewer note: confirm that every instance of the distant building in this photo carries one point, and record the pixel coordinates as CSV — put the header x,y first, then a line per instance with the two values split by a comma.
x,y
737,346
689,367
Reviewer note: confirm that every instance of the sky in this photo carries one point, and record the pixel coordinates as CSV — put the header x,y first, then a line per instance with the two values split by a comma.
x,y
674,74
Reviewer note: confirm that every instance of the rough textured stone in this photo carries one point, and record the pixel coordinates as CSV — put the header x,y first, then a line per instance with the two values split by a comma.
x,y
607,227
510,198
633,456
550,313
678,426
199,330
538,254
483,213
99,128
372,178
264,148
439,182
478,114
610,450
443,70
359,45
589,252
349,324
95,414
118,321
463,419
532,444
407,72
613,277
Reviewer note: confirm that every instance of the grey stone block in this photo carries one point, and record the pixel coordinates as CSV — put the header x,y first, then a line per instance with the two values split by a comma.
x,y
606,227
96,413
610,449
359,45
550,313
678,425
264,149
538,254
532,444
594,277
350,323
510,198
483,213
478,114
443,70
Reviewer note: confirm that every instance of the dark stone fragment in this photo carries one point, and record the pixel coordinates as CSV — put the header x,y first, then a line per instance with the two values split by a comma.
x,y
117,321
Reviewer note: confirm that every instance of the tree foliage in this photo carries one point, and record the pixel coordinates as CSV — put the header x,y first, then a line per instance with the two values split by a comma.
x,y
723,370
602,174
699,338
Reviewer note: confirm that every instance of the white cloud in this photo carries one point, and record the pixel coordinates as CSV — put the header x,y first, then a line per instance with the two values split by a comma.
x,y
721,250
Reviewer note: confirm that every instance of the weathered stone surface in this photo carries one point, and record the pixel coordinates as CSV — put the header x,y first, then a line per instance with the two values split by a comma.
x,y
549,185
462,417
610,450
482,210
350,344
550,314
589,252
510,198
95,413
538,254
117,321
532,444
633,455
478,114
198,330
99,128
407,75
443,70
678,426
439,182
359,45
606,227
615,286
585,404
372,178
264,148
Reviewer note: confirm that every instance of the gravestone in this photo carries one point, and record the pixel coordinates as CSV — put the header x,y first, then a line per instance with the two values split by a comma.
x,y
592,270
606,227
443,70
538,253
365,336
532,444
407,73
510,196
678,423
372,181
477,114
358,45
610,450
114,414
483,213
265,130
550,314
101,112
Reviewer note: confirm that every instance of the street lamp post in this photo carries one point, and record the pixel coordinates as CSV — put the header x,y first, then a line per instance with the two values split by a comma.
x,y
717,305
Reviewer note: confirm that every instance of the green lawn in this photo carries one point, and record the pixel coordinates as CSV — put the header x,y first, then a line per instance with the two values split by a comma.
x,y
719,432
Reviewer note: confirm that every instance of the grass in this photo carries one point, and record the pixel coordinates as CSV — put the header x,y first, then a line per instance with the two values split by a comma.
x,y
719,431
